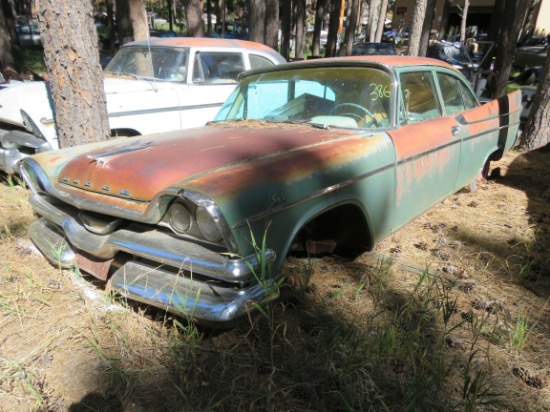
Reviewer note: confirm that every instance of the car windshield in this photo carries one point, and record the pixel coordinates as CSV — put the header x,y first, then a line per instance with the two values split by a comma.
x,y
159,63
349,97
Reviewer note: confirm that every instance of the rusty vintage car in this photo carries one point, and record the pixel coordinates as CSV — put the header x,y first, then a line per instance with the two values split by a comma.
x,y
328,155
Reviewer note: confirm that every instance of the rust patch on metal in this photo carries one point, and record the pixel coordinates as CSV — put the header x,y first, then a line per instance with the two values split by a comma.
x,y
160,161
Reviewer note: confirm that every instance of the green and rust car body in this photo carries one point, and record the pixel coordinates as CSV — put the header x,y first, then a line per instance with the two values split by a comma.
x,y
331,154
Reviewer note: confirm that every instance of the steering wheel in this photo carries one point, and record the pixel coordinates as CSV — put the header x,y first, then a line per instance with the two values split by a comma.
x,y
355,115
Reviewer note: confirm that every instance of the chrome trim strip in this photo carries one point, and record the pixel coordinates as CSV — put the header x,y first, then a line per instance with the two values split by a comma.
x,y
204,302
164,109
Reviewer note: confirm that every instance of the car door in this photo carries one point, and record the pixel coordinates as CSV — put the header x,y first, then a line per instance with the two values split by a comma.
x,y
427,146
486,131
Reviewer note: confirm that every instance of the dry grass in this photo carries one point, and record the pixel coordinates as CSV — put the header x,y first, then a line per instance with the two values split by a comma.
x,y
450,313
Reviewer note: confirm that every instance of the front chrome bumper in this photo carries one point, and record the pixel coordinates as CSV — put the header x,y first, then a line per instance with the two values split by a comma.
x,y
14,144
162,270
204,301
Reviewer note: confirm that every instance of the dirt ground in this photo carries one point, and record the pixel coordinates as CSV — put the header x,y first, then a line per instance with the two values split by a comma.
x,y
68,345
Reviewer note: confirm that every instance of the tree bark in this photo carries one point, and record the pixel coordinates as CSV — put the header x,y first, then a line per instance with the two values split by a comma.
x,y
76,79
111,26
351,26
285,29
208,16
138,17
6,55
463,21
256,19
9,15
381,21
426,28
506,45
123,22
271,35
300,28
374,15
537,131
333,27
419,15
320,10
194,18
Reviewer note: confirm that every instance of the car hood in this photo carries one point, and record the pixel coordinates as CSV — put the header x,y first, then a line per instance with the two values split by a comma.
x,y
29,96
35,97
139,168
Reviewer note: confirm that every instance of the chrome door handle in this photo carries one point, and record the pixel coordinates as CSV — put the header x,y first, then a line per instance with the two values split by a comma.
x,y
455,130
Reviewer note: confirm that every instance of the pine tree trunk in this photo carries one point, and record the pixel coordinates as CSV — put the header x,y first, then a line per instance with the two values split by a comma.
x,y
256,19
426,28
76,80
194,18
138,17
123,22
381,21
6,56
351,26
419,15
506,45
285,30
320,10
537,132
374,15
300,28
463,21
334,22
272,24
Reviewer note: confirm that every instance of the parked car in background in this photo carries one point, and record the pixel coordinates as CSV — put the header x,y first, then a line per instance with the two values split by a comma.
x,y
530,56
468,59
151,86
369,49
29,35
230,30
321,156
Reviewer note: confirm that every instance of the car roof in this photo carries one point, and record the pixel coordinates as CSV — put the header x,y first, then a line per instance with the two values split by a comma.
x,y
200,42
384,62
389,61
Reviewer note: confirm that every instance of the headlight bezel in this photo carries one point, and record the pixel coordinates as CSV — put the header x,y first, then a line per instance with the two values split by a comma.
x,y
217,231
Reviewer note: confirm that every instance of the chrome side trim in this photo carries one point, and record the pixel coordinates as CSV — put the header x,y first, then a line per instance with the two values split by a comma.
x,y
165,109
204,302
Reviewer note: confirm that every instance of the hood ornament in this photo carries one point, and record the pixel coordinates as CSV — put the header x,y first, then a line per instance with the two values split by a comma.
x,y
100,159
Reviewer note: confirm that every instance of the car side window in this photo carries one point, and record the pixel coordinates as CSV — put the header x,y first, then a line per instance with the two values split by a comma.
x,y
456,97
217,67
418,98
470,101
451,93
257,61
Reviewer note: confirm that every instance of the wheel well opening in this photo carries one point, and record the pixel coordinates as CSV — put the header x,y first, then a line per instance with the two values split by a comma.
x,y
124,133
341,230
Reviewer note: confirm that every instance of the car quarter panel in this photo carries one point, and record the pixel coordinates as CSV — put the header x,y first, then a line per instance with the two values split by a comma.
x,y
488,131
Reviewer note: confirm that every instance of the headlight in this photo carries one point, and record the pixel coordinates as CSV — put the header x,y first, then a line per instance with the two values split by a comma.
x,y
180,218
207,225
